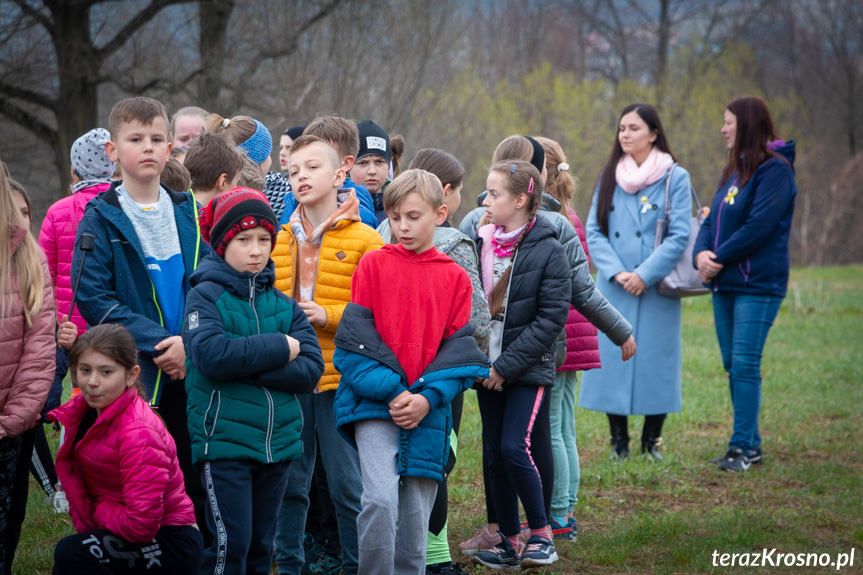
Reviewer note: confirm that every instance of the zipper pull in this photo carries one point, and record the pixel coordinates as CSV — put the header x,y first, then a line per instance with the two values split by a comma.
x,y
206,448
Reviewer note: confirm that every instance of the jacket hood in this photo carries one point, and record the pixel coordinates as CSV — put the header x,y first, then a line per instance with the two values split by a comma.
x,y
430,255
787,150
215,269
73,410
446,239
549,202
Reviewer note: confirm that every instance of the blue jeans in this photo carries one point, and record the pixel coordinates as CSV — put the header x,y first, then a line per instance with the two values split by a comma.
x,y
567,473
742,323
342,462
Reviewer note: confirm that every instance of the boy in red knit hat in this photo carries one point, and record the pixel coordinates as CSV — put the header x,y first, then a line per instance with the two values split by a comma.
x,y
404,349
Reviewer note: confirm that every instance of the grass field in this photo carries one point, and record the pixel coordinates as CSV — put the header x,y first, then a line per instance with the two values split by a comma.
x,y
638,517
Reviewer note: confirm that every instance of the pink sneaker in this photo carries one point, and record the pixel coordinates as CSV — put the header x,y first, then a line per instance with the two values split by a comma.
x,y
480,542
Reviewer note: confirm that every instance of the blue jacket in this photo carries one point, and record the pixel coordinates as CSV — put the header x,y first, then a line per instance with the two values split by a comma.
x,y
239,381
115,286
367,208
372,377
749,231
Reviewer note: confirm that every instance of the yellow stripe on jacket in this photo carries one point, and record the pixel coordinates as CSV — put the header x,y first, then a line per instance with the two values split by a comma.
x,y
342,246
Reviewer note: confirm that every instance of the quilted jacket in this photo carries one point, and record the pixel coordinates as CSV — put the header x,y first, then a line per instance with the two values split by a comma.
x,y
27,353
582,343
123,475
57,239
240,384
372,377
341,250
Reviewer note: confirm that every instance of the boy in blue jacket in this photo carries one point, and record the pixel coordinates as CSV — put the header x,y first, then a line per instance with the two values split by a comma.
x,y
147,244
251,349
404,349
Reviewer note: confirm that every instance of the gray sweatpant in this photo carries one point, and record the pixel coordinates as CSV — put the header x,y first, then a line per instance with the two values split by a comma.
x,y
392,526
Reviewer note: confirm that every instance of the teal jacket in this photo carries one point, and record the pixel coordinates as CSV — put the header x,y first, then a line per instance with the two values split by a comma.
x,y
239,381
372,377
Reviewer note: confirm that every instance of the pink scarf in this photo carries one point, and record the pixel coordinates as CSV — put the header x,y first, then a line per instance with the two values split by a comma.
x,y
631,177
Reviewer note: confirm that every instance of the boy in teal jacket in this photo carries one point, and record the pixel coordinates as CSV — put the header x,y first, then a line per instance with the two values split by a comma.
x,y
250,349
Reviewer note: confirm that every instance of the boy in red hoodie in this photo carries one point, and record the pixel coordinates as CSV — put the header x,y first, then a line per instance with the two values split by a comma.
x,y
404,349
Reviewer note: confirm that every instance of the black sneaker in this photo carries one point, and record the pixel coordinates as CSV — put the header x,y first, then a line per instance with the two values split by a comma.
x,y
451,569
500,557
754,455
538,552
735,460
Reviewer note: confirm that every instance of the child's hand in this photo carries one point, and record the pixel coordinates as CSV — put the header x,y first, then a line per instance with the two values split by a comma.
x,y
173,361
408,413
628,348
67,334
494,381
315,313
399,400
295,347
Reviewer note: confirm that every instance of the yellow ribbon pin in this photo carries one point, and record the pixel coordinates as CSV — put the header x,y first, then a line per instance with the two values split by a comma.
x,y
644,205
729,197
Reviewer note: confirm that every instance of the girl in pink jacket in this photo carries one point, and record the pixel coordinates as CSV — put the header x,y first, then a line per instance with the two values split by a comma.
x,y
26,347
120,470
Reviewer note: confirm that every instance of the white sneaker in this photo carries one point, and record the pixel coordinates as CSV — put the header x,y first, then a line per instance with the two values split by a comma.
x,y
61,504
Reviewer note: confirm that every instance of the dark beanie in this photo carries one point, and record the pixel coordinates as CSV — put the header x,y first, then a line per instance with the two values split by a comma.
x,y
538,158
295,132
373,140
235,211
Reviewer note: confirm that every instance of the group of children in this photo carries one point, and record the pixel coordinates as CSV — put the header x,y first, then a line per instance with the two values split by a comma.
x,y
224,339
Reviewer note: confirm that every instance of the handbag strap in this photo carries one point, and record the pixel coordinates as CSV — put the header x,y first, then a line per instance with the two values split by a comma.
x,y
692,191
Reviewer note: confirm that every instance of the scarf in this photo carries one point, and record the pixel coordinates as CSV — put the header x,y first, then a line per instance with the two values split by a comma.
x,y
631,177
503,243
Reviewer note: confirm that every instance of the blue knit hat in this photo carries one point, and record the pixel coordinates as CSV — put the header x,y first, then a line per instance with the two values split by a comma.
x,y
260,145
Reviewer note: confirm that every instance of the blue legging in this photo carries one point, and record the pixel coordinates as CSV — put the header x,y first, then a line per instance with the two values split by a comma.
x,y
508,421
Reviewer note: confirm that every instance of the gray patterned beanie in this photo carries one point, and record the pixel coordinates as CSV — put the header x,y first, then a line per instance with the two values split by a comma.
x,y
89,158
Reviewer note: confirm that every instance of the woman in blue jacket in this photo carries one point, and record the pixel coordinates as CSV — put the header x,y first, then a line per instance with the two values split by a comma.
x,y
629,199
742,252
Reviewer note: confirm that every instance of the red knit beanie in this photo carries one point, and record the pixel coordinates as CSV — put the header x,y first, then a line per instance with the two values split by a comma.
x,y
235,211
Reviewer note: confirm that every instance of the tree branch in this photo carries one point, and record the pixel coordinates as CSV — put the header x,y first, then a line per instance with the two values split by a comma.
x,y
133,25
28,121
36,15
28,95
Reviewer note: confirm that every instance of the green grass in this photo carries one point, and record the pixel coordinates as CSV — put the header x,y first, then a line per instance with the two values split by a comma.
x,y
638,517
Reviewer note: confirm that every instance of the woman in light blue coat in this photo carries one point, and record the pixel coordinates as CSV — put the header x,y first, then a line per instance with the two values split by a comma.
x,y
629,199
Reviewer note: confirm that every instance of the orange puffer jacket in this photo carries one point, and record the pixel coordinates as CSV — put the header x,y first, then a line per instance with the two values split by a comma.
x,y
27,352
342,246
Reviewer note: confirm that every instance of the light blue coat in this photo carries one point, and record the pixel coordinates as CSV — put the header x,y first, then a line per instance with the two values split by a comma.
x,y
649,383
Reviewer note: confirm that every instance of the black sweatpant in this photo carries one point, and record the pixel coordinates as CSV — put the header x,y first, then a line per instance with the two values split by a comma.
x,y
9,449
174,550
437,520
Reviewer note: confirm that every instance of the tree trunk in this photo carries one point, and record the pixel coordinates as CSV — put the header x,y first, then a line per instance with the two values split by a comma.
x,y
215,16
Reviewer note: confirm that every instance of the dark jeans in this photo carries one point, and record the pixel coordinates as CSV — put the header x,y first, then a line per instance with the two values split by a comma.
x,y
243,502
344,479
174,550
9,450
512,470
742,324
172,409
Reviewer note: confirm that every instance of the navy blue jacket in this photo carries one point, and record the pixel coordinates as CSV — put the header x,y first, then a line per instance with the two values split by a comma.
x,y
372,377
115,284
749,230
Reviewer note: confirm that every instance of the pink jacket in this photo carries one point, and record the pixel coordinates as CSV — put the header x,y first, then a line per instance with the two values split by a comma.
x,y
57,239
582,344
26,352
123,475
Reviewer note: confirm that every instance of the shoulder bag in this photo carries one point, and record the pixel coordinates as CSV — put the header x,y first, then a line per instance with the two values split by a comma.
x,y
683,280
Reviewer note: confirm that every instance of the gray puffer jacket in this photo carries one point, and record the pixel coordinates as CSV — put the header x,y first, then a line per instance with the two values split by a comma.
x,y
586,297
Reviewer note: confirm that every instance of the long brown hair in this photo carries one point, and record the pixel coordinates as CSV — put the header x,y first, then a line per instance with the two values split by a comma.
x,y
25,264
560,184
754,131
519,175
607,181
445,166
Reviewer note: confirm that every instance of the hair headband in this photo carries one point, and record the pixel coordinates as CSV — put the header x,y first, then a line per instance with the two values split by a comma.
x,y
538,158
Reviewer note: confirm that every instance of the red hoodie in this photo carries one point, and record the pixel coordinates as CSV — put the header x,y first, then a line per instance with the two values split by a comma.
x,y
417,301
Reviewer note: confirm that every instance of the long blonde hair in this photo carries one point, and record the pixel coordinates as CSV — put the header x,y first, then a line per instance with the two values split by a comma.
x,y
559,183
26,264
